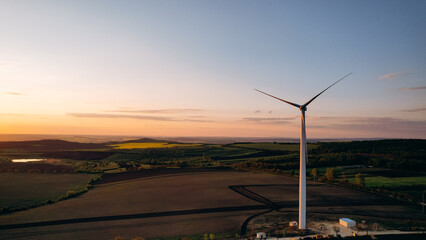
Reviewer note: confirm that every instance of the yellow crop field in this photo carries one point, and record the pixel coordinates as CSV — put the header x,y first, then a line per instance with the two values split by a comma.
x,y
151,145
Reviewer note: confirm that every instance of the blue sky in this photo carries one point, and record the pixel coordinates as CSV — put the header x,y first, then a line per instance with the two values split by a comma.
x,y
189,67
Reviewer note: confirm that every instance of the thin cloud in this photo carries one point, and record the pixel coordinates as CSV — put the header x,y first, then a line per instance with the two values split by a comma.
x,y
385,124
99,115
197,119
268,120
413,88
371,124
391,75
159,111
14,93
139,117
17,114
414,110
194,120
198,116
257,111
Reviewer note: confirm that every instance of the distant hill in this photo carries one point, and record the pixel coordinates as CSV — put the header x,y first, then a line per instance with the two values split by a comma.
x,y
53,145
48,145
113,139
69,138
229,140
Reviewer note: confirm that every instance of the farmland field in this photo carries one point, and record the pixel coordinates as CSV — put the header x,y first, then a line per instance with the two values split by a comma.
x,y
230,152
191,188
24,190
393,182
175,202
291,147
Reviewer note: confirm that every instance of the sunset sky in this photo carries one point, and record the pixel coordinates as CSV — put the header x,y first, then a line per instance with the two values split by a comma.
x,y
189,68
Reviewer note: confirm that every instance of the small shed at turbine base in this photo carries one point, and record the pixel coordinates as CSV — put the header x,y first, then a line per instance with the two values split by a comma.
x,y
349,223
261,235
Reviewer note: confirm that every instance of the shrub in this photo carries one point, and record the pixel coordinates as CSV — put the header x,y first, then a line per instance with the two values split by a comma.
x,y
329,174
360,180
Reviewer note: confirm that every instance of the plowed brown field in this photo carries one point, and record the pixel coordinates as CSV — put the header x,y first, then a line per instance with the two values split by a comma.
x,y
171,202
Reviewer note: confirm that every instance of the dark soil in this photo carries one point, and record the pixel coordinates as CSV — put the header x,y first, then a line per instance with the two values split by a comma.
x,y
118,177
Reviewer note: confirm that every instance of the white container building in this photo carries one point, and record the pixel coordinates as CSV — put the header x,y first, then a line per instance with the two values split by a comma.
x,y
346,222
261,235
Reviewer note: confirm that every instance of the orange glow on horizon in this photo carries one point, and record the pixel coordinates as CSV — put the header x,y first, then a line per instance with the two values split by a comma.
x,y
67,125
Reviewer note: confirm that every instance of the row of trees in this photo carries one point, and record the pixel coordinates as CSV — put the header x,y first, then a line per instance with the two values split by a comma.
x,y
406,154
330,176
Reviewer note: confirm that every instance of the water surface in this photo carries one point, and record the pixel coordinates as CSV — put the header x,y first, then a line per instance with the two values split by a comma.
x,y
28,160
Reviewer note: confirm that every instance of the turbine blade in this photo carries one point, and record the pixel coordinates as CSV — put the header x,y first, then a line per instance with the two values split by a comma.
x,y
307,103
294,104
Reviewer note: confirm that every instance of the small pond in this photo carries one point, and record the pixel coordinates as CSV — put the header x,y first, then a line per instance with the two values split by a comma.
x,y
28,160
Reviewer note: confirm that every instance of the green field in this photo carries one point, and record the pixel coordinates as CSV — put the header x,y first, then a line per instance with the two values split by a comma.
x,y
24,190
229,152
385,182
291,147
137,145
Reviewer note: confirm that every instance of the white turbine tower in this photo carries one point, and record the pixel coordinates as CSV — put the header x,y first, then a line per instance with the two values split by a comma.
x,y
303,152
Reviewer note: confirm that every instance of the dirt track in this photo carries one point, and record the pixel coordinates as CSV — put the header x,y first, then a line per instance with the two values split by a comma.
x,y
184,202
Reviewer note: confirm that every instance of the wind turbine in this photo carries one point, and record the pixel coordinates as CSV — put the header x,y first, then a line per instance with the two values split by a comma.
x,y
303,153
